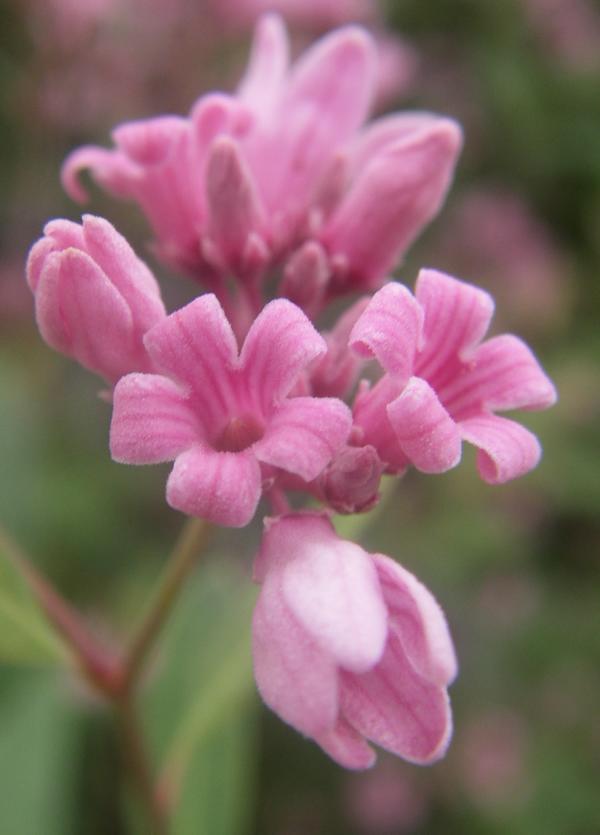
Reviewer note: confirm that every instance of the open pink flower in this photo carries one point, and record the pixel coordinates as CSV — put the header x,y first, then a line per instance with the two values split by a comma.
x,y
349,646
443,384
94,298
226,417
248,181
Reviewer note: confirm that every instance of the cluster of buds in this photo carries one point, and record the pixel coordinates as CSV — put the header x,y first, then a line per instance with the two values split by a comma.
x,y
282,188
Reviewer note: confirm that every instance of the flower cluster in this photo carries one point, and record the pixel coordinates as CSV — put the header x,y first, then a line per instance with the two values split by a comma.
x,y
282,186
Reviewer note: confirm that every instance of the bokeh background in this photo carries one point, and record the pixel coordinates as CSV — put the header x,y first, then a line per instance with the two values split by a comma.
x,y
515,567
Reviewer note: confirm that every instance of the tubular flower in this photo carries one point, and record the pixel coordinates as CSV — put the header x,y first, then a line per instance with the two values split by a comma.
x,y
94,298
443,384
349,646
226,418
277,174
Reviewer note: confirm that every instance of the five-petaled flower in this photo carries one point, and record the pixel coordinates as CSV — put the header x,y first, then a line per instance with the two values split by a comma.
x,y
349,646
443,384
226,418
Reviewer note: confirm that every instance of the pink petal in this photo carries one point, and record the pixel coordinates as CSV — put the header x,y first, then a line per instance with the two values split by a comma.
x,y
390,202
305,277
148,141
418,622
303,435
110,169
504,374
327,98
336,77
152,420
296,678
397,709
128,273
234,209
331,587
262,84
37,258
390,330
80,313
506,449
371,420
335,374
197,346
388,131
212,115
222,487
280,344
426,433
347,747
457,316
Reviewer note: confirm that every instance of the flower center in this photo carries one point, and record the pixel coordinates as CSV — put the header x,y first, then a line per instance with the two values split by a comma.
x,y
239,434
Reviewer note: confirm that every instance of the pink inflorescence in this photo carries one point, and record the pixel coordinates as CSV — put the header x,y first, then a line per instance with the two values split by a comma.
x,y
282,189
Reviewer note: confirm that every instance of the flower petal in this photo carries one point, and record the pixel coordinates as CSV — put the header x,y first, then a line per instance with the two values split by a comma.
x,y
128,273
457,316
80,313
425,431
234,209
263,82
280,344
331,587
390,329
196,345
418,622
303,435
504,374
296,678
222,487
389,203
506,449
110,169
347,747
371,420
396,708
152,420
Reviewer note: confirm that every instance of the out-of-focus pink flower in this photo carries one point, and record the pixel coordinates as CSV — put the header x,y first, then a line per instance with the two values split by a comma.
x,y
313,15
443,384
494,234
94,298
225,418
492,755
570,29
387,801
279,174
349,647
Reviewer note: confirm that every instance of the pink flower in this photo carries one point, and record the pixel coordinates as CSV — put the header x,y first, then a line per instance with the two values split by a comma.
x,y
443,384
226,418
349,646
94,298
308,14
246,182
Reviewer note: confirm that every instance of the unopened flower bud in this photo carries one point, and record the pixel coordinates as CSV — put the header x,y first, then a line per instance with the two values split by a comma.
x,y
94,298
350,483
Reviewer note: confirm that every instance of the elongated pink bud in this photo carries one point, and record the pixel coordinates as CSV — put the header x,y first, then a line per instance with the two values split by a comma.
x,y
94,298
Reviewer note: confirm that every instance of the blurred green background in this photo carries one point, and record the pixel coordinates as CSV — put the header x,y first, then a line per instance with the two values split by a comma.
x,y
516,568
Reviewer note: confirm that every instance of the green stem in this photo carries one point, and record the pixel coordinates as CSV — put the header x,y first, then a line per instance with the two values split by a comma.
x,y
97,662
183,558
137,763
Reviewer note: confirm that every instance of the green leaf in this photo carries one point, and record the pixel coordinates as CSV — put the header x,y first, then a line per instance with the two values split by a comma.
x,y
25,635
201,707
38,755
